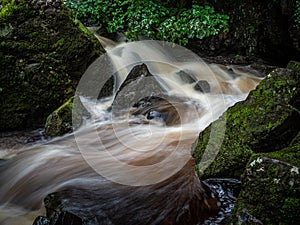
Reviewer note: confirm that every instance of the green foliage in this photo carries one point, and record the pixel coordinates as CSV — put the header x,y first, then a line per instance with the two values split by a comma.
x,y
297,13
152,19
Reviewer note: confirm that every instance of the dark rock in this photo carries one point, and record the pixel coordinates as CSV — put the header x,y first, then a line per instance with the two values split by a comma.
x,y
41,220
137,72
267,121
66,218
156,115
270,193
44,52
202,86
59,218
162,108
185,77
139,84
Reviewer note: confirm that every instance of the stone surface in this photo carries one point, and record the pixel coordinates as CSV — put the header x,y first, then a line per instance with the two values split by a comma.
x,y
270,193
139,83
44,53
66,118
202,86
267,121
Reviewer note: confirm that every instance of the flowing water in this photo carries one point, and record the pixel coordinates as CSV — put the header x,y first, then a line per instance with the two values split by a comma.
x,y
130,163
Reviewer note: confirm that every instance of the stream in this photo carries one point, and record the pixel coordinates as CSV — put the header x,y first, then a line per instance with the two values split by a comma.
x,y
130,162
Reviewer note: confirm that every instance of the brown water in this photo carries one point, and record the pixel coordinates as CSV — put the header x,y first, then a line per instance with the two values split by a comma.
x,y
122,166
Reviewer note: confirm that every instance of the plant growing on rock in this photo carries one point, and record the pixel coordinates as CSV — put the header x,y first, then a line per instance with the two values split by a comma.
x,y
152,19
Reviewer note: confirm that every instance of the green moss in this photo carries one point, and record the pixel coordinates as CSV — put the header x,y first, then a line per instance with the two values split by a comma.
x,y
66,118
267,121
60,121
293,65
270,190
290,154
43,56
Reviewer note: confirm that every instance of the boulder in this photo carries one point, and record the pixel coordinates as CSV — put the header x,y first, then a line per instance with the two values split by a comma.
x,y
139,84
202,86
44,52
270,189
267,121
66,118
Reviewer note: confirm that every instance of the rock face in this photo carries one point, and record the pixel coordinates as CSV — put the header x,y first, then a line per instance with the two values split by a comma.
x,y
261,145
44,53
256,29
267,121
270,191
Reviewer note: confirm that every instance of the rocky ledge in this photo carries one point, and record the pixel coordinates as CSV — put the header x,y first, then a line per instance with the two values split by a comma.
x,y
260,146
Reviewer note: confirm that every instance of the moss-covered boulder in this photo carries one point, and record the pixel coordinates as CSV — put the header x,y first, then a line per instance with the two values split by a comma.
x,y
267,121
43,54
270,189
66,118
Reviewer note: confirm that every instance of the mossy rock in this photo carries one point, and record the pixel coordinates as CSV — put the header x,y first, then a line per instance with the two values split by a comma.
x,y
43,54
266,121
270,193
66,118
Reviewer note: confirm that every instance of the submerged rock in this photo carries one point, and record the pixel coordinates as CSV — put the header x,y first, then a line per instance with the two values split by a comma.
x,y
186,77
44,53
267,121
202,86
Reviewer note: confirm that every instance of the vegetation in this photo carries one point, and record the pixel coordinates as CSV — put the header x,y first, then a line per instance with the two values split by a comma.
x,y
152,19
297,13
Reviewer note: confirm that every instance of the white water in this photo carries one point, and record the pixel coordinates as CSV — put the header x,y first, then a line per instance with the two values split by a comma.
x,y
127,149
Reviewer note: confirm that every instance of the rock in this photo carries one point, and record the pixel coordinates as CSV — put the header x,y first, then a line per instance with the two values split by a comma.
x,y
44,53
185,77
59,218
139,83
202,86
270,193
66,118
161,108
267,121
41,220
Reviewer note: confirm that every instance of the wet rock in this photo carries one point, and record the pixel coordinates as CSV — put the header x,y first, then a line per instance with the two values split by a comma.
x,y
59,218
267,121
202,86
156,115
270,193
185,77
162,108
66,118
44,52
139,83
41,220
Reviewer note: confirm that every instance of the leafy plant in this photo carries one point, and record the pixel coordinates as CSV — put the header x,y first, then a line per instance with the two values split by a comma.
x,y
297,13
151,19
